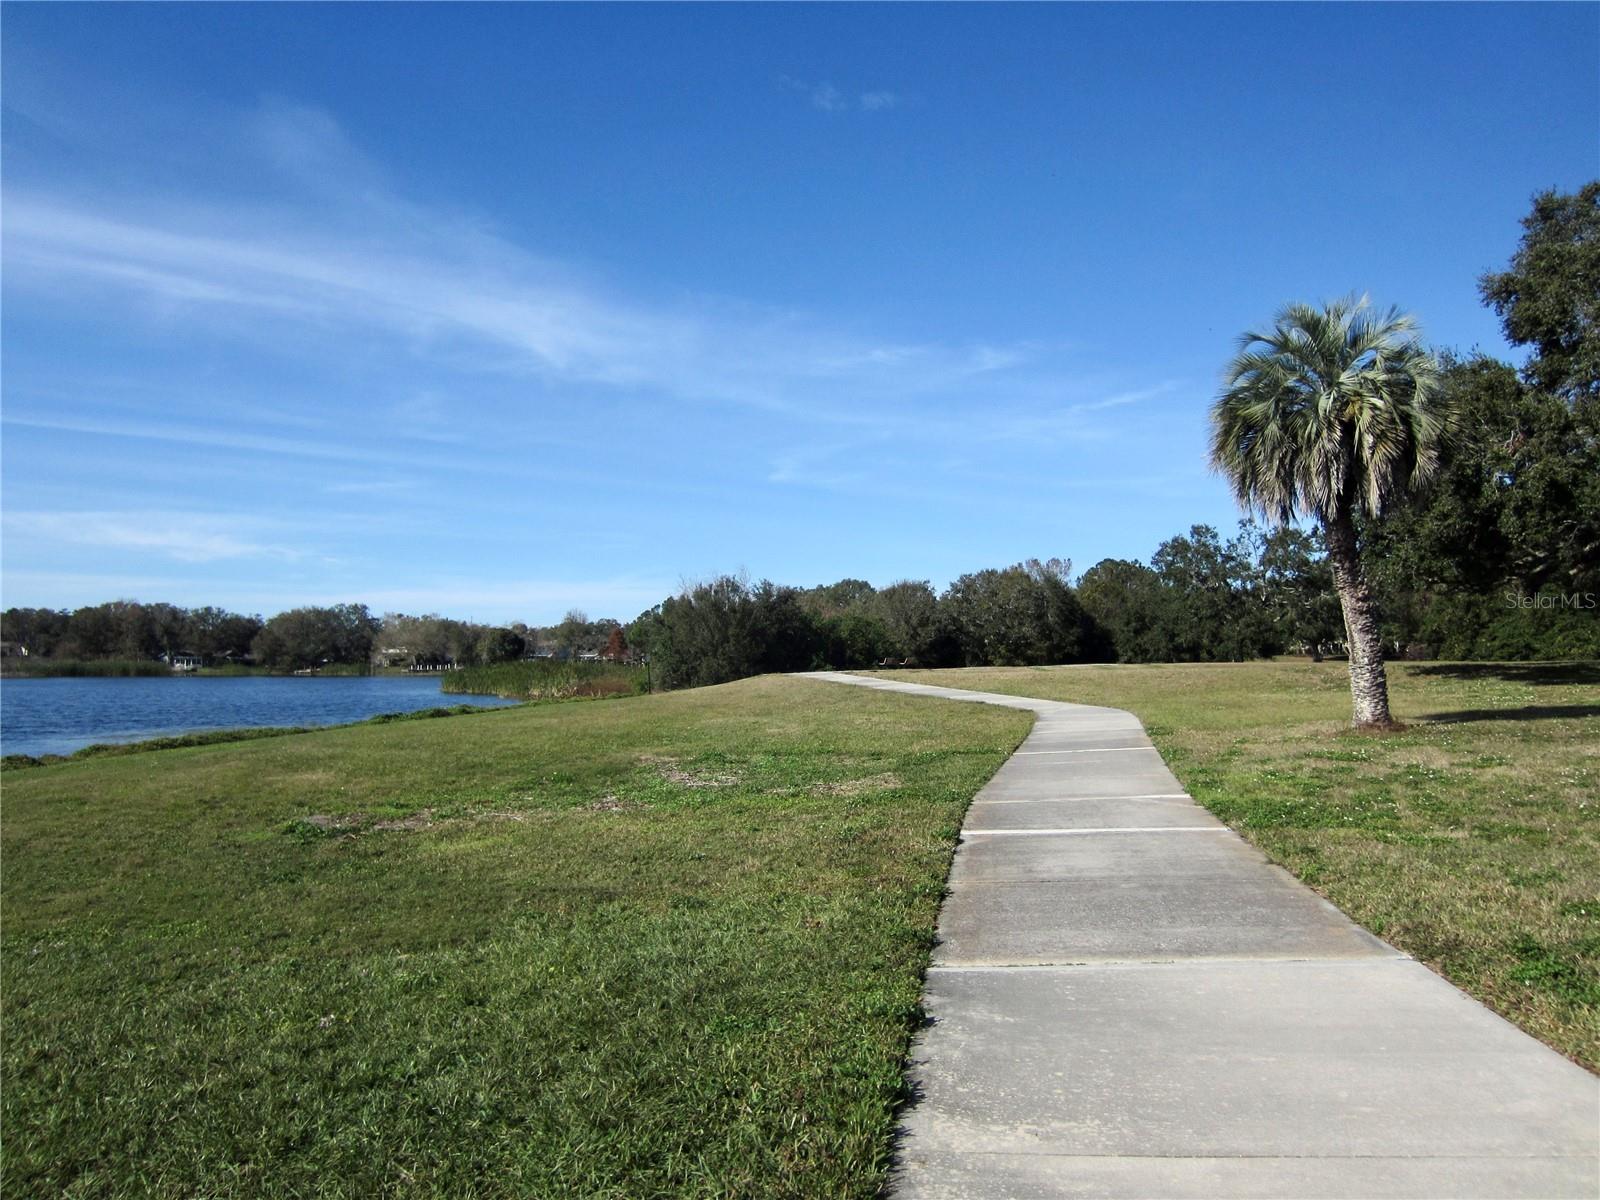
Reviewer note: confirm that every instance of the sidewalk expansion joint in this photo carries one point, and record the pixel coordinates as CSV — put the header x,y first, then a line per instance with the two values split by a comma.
x,y
1084,832
1089,799
1191,961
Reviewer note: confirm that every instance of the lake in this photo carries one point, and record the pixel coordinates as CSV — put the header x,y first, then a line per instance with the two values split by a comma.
x,y
58,716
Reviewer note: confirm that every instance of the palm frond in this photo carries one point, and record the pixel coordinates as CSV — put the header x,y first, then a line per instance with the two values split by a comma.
x,y
1331,410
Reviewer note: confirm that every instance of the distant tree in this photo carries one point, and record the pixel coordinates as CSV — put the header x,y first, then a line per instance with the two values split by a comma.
x,y
701,636
726,629
101,631
38,630
833,599
573,633
1134,608
913,629
853,638
1026,614
1297,590
1215,609
616,646
499,645
1549,299
786,635
214,633
309,637
1334,414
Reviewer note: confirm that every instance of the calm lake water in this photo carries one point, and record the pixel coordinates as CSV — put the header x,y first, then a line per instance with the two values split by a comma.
x,y
58,716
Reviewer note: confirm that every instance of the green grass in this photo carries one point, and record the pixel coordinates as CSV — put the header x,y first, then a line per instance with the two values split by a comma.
x,y
1471,840
35,667
546,679
669,946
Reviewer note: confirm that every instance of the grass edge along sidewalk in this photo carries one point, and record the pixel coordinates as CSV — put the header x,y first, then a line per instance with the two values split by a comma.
x,y
668,945
1470,840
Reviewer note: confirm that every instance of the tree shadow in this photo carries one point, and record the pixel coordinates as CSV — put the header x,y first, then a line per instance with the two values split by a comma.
x,y
1553,673
1528,712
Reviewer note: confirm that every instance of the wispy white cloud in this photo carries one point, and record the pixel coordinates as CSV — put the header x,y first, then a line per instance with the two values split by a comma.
x,y
369,487
290,288
332,448
182,537
879,461
349,262
1072,422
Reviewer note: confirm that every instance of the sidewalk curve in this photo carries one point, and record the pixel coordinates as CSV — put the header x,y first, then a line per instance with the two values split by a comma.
x,y
1129,1000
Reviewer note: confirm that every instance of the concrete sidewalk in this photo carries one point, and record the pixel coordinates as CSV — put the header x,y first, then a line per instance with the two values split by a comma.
x,y
1128,1000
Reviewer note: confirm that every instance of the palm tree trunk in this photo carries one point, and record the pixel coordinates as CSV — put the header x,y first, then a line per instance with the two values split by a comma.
x,y
1369,686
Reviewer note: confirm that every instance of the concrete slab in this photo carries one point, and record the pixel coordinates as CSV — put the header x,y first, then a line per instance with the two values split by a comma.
x,y
1089,813
1259,914
1058,857
1058,748
1057,736
1358,1060
1128,1177
1084,780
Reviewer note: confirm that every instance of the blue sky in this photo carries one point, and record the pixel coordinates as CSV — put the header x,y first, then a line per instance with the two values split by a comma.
x,y
499,310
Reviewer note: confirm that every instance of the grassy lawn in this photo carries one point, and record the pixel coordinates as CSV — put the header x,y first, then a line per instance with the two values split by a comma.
x,y
1471,840
669,945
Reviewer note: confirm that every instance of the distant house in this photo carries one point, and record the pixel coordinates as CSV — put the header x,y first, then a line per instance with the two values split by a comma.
x,y
395,656
182,662
13,650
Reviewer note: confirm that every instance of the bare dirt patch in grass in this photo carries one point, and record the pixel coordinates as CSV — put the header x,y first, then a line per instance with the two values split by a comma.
x,y
357,823
885,782
614,804
673,771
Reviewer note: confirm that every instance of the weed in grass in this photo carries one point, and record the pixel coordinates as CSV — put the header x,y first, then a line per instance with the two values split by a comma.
x,y
1540,966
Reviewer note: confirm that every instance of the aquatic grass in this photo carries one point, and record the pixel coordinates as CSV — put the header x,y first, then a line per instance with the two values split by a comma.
x,y
35,667
548,679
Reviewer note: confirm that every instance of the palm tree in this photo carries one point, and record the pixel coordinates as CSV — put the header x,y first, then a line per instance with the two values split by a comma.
x,y
1333,414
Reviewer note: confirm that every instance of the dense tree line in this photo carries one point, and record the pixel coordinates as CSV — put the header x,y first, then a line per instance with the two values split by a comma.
x,y
126,629
1200,599
343,634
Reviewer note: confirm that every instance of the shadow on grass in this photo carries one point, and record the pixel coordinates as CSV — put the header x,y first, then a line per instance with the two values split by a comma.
x,y
1526,672
1528,712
